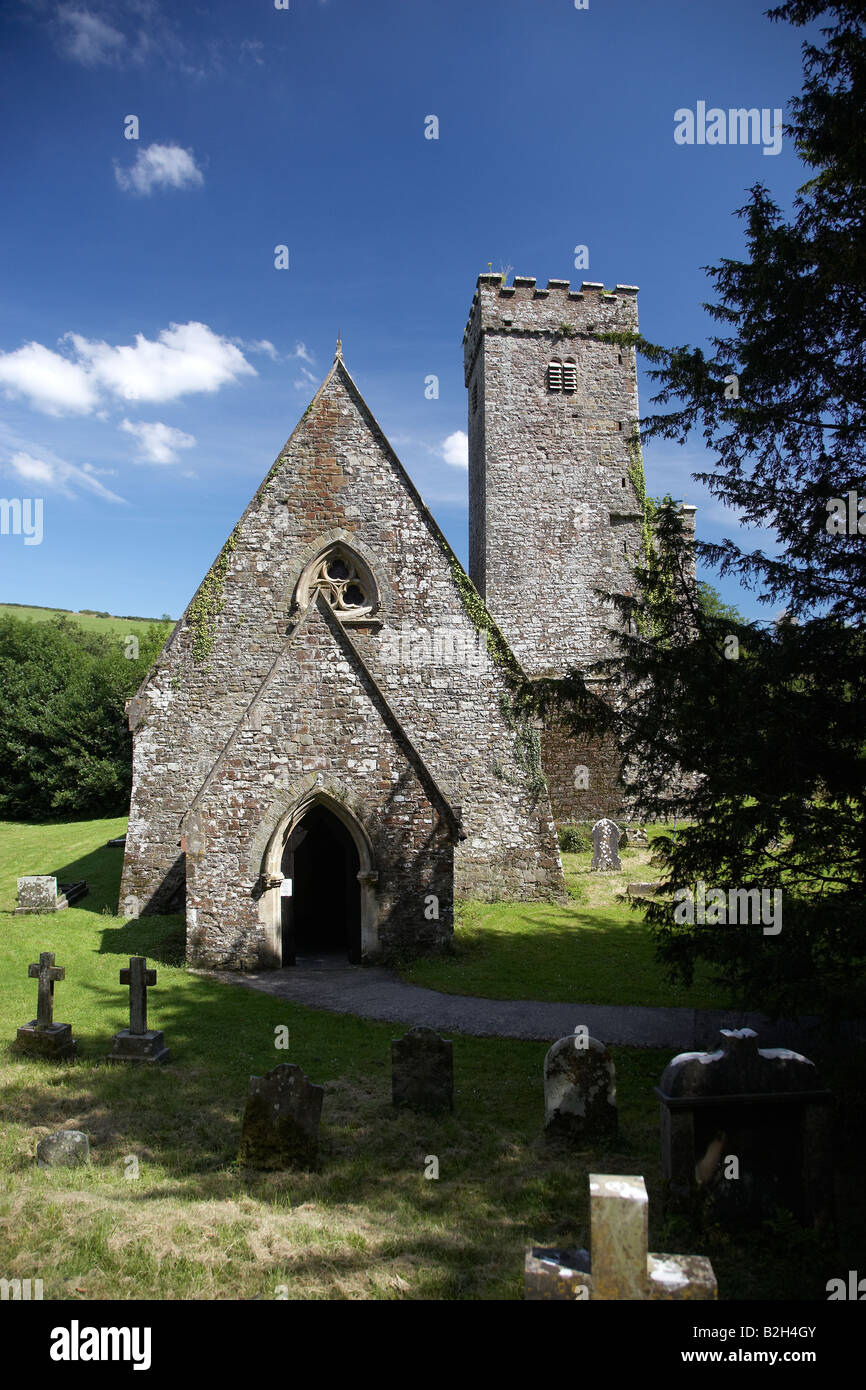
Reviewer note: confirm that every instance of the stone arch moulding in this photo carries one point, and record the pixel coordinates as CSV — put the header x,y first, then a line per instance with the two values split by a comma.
x,y
270,912
370,575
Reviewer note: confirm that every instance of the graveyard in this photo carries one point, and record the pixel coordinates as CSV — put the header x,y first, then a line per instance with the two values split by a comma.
x,y
393,1201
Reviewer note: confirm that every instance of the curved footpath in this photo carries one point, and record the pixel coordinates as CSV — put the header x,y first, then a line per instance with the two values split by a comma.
x,y
377,993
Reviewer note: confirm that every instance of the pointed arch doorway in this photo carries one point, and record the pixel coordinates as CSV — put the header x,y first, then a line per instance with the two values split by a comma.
x,y
321,897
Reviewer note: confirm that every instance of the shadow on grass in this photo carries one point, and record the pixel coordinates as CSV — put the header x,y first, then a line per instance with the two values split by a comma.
x,y
101,869
161,939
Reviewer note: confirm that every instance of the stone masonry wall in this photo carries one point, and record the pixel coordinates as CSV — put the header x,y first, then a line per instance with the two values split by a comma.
x,y
571,801
338,479
317,697
560,513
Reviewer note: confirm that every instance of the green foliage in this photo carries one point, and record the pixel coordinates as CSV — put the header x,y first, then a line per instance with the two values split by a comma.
x,y
574,840
760,746
499,650
712,605
208,602
527,741
65,748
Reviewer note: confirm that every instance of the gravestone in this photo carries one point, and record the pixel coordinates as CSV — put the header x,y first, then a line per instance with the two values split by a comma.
x,y
605,846
73,891
38,893
579,1091
281,1121
636,835
42,1035
618,1265
643,889
422,1071
750,1129
67,1148
138,1043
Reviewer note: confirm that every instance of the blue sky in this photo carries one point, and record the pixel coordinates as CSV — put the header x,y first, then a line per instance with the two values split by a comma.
x,y
153,360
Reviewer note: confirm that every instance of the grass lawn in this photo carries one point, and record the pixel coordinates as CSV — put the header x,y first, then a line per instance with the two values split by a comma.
x,y
164,1211
111,627
594,950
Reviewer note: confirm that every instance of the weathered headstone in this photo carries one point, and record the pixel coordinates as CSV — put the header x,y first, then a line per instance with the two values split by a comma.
x,y
281,1120
38,893
605,846
42,1035
67,1148
750,1128
634,835
618,1265
138,1043
422,1071
579,1090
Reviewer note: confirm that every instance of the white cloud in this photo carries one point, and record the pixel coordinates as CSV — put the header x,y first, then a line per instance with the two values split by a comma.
x,y
53,474
253,48
159,166
455,449
305,380
258,345
158,443
185,358
89,39
301,351
53,384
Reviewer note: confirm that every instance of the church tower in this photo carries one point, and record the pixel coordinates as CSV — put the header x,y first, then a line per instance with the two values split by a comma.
x,y
554,511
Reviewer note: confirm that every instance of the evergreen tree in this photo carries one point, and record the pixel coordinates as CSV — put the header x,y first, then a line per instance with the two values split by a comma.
x,y
754,732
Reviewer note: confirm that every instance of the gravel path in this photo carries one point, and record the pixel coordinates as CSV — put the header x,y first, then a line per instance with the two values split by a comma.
x,y
377,993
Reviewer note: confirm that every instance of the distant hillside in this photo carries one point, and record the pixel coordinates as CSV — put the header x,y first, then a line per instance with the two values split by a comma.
x,y
89,621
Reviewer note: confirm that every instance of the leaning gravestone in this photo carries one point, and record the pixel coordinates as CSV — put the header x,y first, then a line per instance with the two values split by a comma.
x,y
605,846
67,1148
38,893
422,1071
138,1043
281,1120
42,1035
579,1091
618,1265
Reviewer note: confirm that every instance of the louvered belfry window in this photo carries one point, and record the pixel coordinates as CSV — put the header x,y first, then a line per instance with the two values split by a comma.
x,y
561,376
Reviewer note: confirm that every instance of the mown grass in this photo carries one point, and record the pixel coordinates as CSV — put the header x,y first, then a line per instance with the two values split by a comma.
x,y
593,950
90,622
365,1223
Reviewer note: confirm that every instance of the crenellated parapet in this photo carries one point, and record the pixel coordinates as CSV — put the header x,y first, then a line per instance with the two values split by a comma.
x,y
556,311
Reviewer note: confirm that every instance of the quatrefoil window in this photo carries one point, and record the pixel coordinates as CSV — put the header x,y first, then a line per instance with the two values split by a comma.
x,y
344,580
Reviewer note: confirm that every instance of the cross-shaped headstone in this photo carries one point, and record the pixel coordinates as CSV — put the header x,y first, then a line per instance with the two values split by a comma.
x,y
138,977
619,1265
46,972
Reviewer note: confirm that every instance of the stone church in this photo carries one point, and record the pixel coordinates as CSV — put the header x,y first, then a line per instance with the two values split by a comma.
x,y
328,749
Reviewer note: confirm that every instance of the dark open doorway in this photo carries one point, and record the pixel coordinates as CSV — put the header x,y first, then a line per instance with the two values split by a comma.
x,y
322,914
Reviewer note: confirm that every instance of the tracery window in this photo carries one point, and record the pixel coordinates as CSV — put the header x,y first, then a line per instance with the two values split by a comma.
x,y
337,577
344,580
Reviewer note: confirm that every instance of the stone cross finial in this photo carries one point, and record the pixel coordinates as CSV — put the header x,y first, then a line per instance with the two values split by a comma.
x,y
338,355
138,977
46,972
